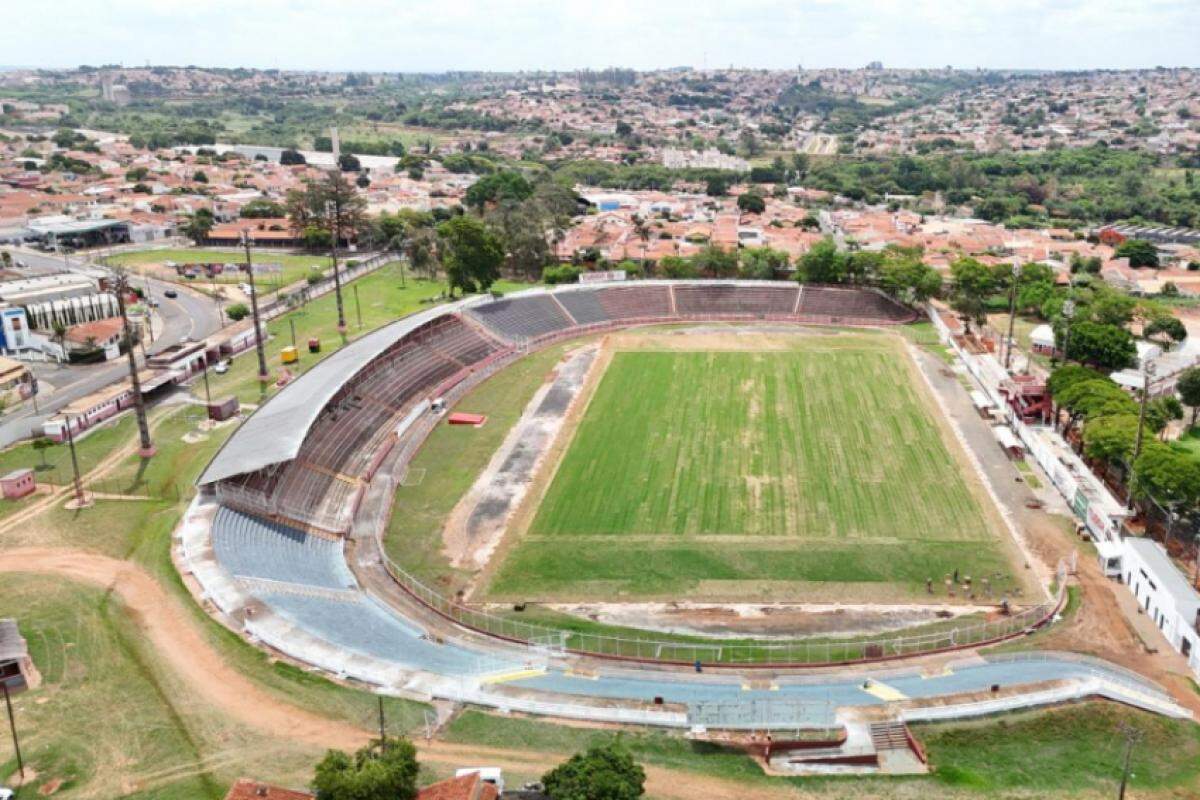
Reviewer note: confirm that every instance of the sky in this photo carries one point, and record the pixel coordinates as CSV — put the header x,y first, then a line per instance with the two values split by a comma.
x,y
439,35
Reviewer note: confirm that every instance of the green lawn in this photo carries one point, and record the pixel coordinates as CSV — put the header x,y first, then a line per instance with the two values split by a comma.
x,y
293,267
1066,752
451,459
53,465
118,724
750,474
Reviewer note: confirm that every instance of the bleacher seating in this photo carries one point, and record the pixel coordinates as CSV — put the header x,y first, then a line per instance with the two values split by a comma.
x,y
584,306
851,303
364,626
522,317
250,547
719,299
636,302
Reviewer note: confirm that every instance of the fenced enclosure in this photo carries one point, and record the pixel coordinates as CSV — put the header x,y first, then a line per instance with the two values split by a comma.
x,y
693,650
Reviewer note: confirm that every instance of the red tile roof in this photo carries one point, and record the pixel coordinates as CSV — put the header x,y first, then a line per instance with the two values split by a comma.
x,y
465,787
247,789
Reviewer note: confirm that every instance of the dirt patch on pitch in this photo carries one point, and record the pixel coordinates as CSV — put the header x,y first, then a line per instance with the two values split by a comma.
x,y
477,524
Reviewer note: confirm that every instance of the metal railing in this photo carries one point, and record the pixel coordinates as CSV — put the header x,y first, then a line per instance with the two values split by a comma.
x,y
774,652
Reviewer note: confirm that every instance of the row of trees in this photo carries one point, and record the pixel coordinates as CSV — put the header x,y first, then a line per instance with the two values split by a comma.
x,y
1108,418
1099,329
387,769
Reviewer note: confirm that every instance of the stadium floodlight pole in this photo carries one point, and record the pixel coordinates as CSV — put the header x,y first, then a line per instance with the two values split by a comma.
x,y
1147,374
1012,313
263,375
139,403
333,209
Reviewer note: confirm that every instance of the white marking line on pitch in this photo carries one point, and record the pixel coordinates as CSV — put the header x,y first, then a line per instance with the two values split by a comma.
x,y
883,691
515,675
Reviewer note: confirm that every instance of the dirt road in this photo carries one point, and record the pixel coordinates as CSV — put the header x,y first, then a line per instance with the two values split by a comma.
x,y
178,641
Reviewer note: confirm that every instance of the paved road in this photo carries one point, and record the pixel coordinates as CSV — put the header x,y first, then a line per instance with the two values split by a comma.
x,y
189,316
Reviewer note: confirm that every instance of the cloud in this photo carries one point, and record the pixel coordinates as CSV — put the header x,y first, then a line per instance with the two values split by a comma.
x,y
415,35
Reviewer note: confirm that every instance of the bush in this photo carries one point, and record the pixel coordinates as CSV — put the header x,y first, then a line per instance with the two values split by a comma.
x,y
564,273
314,277
237,311
632,268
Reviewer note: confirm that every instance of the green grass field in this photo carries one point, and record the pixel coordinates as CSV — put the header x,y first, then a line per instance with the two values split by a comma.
x,y
1064,752
293,267
814,471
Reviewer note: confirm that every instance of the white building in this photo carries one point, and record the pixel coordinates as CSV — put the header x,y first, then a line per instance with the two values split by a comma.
x,y
1164,594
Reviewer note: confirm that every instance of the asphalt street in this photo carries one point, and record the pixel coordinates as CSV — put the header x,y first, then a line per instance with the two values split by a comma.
x,y
190,315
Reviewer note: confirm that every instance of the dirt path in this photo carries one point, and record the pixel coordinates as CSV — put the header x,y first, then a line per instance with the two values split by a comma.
x,y
105,466
1100,626
180,644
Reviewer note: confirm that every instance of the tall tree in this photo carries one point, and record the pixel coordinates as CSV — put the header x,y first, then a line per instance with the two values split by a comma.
x,y
1140,253
1106,347
198,225
822,263
1188,386
604,772
383,770
471,253
971,284
715,261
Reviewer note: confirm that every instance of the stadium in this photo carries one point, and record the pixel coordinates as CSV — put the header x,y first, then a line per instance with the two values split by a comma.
x,y
707,445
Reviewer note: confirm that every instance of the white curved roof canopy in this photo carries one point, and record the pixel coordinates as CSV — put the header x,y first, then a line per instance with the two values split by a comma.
x,y
274,433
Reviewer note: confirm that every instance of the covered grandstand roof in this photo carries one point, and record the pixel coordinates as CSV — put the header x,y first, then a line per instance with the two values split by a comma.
x,y
274,432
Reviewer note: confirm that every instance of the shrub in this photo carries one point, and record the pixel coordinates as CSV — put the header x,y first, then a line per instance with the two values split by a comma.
x,y
237,311
564,273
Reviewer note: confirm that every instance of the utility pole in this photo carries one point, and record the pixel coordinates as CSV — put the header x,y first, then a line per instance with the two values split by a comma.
x,y
12,726
333,209
382,726
292,324
263,375
207,391
1196,562
1068,312
1132,736
149,308
139,402
357,307
74,463
1012,313
1147,373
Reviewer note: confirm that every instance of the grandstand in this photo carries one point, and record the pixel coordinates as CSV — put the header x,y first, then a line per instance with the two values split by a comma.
x,y
305,457
253,548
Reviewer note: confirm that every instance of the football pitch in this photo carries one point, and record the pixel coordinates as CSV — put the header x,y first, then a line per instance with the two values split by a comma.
x,y
812,469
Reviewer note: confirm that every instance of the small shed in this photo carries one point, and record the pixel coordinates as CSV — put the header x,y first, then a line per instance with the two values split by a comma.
x,y
17,483
983,406
1008,442
1041,339
16,667
223,409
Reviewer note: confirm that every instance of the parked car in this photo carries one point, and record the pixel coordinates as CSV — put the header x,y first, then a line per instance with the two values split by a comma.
x,y
171,293
221,367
